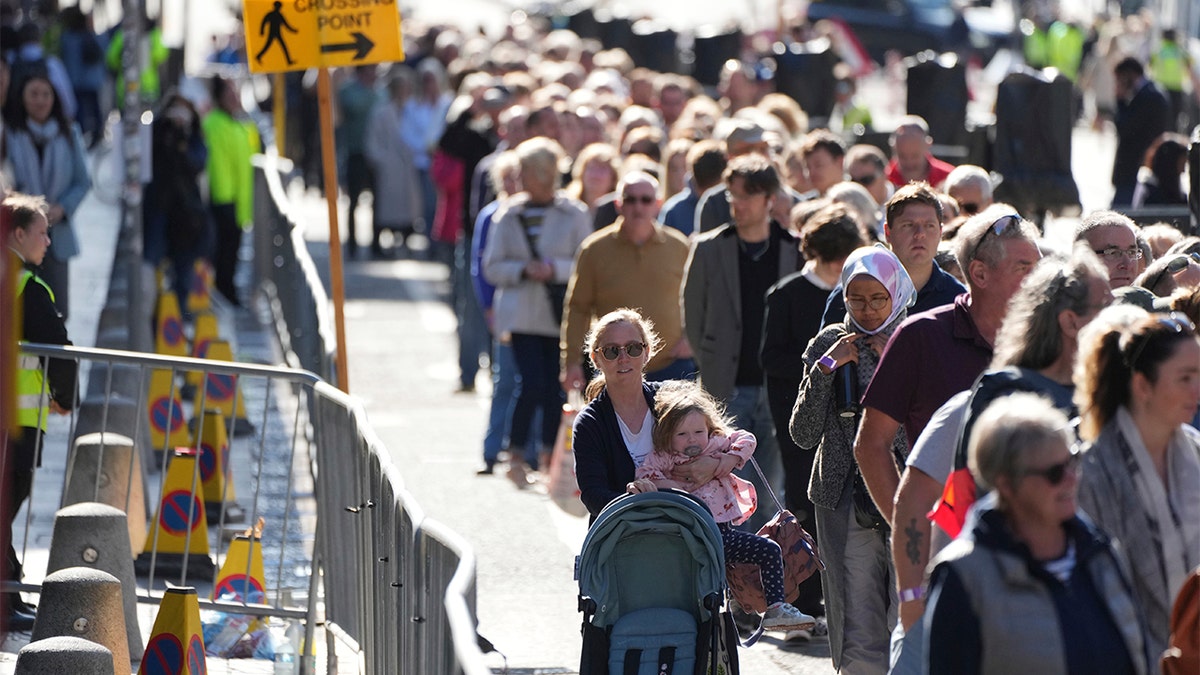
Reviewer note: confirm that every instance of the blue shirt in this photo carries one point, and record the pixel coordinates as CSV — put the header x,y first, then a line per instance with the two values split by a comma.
x,y
680,210
484,291
941,289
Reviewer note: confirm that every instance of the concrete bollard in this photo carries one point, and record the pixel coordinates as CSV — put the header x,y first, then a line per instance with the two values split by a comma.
x,y
99,472
64,654
86,603
90,535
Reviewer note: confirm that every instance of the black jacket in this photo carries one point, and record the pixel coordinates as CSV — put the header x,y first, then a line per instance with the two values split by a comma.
x,y
602,462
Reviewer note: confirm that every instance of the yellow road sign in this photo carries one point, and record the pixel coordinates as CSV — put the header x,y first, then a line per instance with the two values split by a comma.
x,y
300,34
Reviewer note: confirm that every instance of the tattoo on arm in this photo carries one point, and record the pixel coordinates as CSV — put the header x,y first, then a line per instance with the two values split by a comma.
x,y
912,547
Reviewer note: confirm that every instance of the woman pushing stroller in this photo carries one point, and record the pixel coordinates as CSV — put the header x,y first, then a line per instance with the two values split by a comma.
x,y
690,424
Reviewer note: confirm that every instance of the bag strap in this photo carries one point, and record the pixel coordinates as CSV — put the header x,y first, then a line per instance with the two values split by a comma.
x,y
666,661
766,483
533,250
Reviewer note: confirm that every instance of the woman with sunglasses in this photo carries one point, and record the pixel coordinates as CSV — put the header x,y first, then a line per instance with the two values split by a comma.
x,y
1030,586
612,434
1137,389
860,596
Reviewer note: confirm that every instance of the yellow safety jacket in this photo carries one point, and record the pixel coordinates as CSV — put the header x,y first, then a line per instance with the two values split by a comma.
x,y
1168,66
33,401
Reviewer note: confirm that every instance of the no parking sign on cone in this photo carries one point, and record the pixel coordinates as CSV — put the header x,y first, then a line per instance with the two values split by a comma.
x,y
176,645
200,293
206,330
215,476
178,541
165,409
222,391
169,339
242,572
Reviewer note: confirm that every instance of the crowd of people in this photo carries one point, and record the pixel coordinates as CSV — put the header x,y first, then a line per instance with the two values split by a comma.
x,y
885,339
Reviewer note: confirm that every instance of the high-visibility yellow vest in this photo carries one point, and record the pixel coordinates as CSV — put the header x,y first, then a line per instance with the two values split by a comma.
x,y
33,401
1168,66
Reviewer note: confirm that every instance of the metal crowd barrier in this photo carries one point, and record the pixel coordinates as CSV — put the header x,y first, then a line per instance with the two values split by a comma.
x,y
399,588
346,546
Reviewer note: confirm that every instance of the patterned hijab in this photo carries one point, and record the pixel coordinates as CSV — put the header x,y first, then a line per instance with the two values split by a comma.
x,y
883,266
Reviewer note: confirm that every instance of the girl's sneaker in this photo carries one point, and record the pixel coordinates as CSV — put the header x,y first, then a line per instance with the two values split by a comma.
x,y
784,617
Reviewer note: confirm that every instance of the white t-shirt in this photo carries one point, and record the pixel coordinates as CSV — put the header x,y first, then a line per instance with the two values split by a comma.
x,y
640,444
933,453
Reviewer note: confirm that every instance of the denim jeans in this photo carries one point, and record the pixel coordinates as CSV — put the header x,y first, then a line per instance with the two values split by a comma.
x,y
748,408
908,649
679,369
506,382
473,336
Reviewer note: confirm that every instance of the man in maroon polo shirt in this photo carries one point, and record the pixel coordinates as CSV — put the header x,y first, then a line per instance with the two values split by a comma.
x,y
911,158
936,354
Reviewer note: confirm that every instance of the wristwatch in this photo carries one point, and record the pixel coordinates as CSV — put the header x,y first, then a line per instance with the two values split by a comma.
x,y
829,362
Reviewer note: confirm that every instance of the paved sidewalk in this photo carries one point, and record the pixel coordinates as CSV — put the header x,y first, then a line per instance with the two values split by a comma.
x,y
98,225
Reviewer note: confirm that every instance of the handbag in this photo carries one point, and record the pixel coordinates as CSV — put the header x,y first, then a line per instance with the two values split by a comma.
x,y
800,558
563,485
555,292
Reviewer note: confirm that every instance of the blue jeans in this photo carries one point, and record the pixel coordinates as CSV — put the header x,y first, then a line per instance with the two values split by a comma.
x,y
473,336
679,369
908,649
506,382
750,412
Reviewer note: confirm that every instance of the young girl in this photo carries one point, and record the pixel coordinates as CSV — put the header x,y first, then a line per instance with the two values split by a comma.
x,y
690,424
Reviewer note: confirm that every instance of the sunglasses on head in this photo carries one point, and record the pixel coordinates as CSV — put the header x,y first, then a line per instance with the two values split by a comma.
x,y
1055,474
1176,265
1173,322
637,199
997,227
611,352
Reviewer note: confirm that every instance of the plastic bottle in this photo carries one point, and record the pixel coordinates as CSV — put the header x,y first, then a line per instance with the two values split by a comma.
x,y
286,662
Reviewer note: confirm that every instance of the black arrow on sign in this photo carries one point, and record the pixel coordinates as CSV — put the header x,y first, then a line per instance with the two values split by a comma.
x,y
361,46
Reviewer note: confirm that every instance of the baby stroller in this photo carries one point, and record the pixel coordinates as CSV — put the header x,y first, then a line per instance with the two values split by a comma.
x,y
651,588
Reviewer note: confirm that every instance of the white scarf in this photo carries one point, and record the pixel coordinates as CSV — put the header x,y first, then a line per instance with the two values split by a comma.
x,y
47,174
1176,502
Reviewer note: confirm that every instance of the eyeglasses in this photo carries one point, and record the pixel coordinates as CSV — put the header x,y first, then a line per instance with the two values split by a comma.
x,y
1055,474
998,227
1176,265
866,180
637,199
1173,322
611,352
1114,253
859,304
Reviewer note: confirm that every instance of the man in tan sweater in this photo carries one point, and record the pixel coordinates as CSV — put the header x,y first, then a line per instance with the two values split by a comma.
x,y
638,263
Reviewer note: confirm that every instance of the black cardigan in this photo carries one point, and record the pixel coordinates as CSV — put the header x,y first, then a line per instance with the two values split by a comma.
x,y
602,463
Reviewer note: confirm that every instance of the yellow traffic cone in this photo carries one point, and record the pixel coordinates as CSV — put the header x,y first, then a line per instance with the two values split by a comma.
x,y
222,391
165,409
215,476
242,572
176,645
199,297
169,339
178,541
206,330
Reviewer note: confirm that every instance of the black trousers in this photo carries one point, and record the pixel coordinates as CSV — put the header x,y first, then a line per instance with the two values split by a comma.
x,y
229,240
16,467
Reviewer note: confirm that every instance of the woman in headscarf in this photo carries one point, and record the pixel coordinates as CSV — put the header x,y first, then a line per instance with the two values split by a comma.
x,y
860,596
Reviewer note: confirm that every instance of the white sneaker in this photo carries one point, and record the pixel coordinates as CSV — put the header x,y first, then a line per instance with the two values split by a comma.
x,y
784,617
